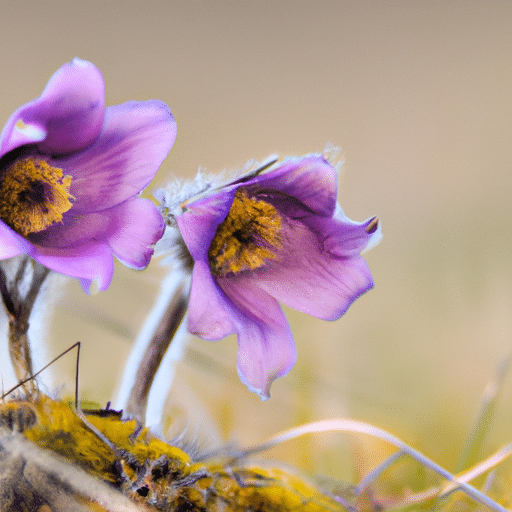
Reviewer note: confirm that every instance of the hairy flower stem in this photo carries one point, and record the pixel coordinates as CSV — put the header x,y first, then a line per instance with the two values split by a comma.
x,y
156,348
19,295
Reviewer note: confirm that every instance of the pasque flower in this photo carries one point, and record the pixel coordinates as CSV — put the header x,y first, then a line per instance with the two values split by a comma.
x,y
70,172
269,237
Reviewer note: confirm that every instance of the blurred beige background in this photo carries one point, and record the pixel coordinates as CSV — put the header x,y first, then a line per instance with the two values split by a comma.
x,y
419,97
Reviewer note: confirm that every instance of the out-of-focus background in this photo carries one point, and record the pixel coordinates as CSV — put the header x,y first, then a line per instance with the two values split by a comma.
x,y
419,97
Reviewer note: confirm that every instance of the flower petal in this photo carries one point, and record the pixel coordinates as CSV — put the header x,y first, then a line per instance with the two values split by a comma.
x,y
325,290
210,314
90,262
199,223
66,117
136,138
130,229
311,180
135,226
310,279
264,354
12,244
342,237
266,347
74,230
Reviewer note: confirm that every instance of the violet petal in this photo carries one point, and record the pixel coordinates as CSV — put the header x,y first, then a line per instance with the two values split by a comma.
x,y
266,347
66,117
325,290
130,229
264,354
88,262
310,180
210,314
134,227
136,138
12,244
199,223
308,278
74,230
341,236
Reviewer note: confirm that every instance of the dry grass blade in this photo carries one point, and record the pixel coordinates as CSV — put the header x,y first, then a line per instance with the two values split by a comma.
x,y
480,468
485,416
353,426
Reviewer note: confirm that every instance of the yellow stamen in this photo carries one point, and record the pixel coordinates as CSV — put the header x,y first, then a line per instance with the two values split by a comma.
x,y
33,195
248,236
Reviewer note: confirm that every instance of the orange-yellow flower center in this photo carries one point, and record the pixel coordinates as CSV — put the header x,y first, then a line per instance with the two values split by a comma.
x,y
248,236
33,195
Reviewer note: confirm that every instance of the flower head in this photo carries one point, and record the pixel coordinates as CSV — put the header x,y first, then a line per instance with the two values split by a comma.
x,y
70,172
270,237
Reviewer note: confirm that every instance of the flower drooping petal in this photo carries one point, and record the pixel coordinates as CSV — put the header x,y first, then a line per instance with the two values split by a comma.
x,y
266,347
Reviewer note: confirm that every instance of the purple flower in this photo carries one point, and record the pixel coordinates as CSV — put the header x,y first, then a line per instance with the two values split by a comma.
x,y
70,172
268,237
